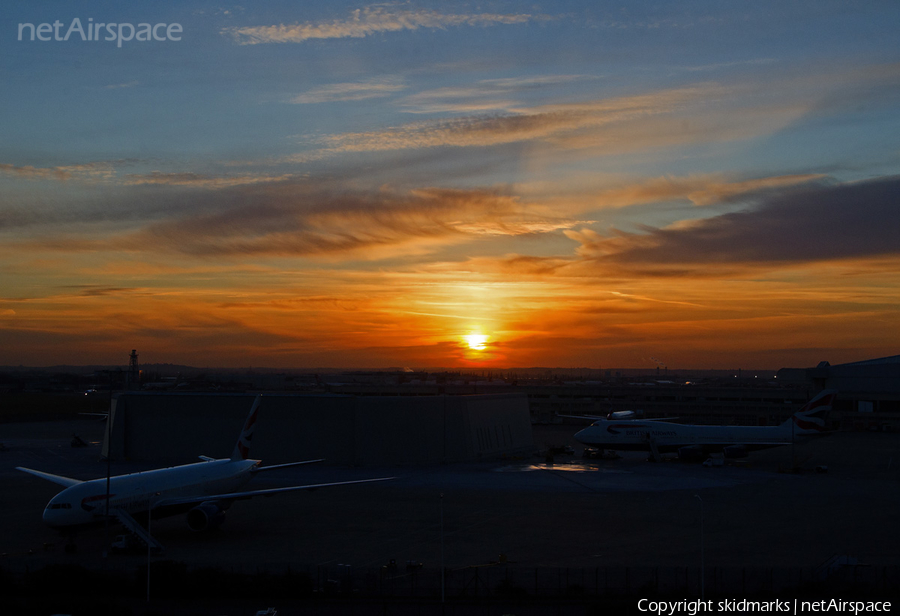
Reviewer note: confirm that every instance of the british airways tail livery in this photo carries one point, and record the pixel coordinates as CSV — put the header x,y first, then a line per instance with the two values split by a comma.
x,y
203,489
687,439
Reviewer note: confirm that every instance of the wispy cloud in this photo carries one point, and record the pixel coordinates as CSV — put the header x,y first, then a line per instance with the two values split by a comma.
x,y
348,225
291,215
698,189
118,86
351,91
365,22
485,95
100,291
87,171
729,65
202,180
700,113
538,123
303,219
576,194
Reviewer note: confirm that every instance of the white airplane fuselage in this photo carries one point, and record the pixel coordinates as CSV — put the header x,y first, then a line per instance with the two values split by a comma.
x,y
135,493
668,437
202,489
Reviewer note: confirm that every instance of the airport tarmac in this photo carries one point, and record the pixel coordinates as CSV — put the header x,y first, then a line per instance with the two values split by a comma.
x,y
570,514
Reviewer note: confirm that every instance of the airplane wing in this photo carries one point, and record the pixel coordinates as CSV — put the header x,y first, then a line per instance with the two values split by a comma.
x,y
186,500
596,417
260,469
57,479
753,444
99,416
591,417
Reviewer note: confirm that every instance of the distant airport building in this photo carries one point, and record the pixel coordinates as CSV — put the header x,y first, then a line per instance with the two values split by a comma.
x,y
868,395
356,430
714,404
868,391
741,401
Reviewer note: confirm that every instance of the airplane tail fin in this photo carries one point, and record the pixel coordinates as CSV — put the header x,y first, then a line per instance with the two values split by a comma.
x,y
810,419
242,447
67,482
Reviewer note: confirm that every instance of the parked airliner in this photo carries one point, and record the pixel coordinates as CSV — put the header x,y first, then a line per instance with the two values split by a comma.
x,y
690,440
203,489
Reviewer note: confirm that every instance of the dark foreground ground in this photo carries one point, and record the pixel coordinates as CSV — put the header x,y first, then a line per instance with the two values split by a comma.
x,y
515,536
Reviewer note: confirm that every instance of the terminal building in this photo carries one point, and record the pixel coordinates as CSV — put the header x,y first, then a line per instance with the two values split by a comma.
x,y
868,391
343,429
742,402
868,395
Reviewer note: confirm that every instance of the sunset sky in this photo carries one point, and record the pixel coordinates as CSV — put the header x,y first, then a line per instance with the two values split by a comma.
x,y
452,184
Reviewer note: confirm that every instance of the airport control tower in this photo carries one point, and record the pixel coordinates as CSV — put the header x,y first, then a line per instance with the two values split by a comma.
x,y
134,373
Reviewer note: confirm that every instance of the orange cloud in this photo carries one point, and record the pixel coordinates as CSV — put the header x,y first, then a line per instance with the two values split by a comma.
x,y
588,192
417,316
300,219
87,171
739,287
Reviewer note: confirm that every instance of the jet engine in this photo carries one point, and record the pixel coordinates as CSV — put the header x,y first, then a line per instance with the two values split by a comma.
x,y
205,516
691,453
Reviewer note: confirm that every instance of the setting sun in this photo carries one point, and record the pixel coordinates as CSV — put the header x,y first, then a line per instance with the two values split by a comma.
x,y
476,342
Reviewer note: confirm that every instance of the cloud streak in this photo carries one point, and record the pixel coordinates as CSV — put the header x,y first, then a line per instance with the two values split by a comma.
x,y
307,220
486,94
539,123
699,113
701,190
86,171
366,22
203,216
201,180
352,91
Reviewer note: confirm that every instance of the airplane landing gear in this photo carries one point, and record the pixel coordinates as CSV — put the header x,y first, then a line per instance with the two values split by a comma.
x,y
71,547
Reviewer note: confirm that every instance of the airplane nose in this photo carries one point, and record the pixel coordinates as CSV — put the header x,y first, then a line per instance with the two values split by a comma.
x,y
54,516
579,436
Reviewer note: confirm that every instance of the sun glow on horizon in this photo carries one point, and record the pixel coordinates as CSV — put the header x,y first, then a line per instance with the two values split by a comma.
x,y
454,204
